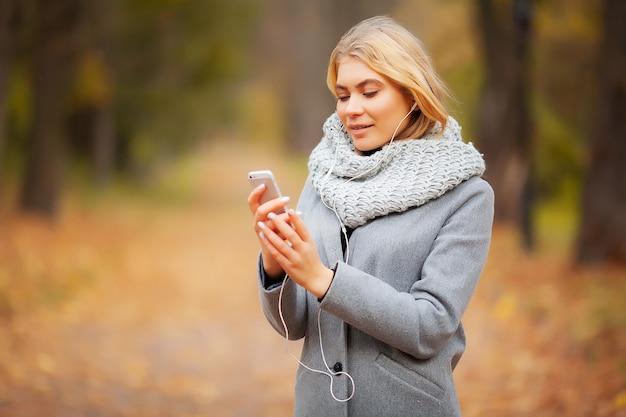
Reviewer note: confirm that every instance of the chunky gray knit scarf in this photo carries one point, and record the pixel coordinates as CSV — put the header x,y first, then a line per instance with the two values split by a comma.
x,y
399,176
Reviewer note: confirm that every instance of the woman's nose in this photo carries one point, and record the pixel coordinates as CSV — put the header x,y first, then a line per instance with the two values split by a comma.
x,y
354,106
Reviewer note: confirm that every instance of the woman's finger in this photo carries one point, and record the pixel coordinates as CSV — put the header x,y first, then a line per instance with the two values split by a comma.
x,y
285,228
254,197
276,206
299,226
278,247
261,210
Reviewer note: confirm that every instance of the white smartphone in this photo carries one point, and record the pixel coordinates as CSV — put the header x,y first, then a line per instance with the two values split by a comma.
x,y
272,191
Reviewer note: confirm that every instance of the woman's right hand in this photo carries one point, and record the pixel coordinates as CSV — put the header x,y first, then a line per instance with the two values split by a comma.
x,y
260,212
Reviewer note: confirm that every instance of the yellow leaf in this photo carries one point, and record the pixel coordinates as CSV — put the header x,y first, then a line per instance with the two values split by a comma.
x,y
46,363
505,306
620,400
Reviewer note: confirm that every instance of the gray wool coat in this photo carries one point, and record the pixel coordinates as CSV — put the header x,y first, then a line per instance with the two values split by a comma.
x,y
392,315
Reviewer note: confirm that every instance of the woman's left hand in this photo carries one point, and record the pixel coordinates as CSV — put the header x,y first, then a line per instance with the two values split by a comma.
x,y
296,253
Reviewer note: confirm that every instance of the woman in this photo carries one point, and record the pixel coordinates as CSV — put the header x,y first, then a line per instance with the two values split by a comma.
x,y
380,261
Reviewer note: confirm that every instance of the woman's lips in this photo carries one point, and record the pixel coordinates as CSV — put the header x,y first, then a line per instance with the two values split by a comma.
x,y
359,129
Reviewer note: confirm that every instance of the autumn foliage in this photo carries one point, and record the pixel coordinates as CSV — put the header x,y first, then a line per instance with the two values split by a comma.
x,y
143,303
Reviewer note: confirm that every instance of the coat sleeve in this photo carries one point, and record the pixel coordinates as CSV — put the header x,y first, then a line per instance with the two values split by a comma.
x,y
292,303
420,321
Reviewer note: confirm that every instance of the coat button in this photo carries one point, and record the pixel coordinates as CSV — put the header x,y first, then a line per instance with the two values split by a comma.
x,y
338,367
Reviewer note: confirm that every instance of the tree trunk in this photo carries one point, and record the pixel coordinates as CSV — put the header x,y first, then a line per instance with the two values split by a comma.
x,y
603,228
315,29
54,58
104,143
8,17
503,118
308,100
102,129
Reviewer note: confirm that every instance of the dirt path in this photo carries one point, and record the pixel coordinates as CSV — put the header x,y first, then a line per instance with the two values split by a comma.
x,y
172,326
163,319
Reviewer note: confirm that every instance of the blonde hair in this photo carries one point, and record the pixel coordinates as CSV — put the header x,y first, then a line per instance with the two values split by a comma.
x,y
391,50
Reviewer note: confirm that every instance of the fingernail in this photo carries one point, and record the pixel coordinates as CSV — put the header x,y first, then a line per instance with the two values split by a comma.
x,y
261,225
271,215
284,199
262,235
260,186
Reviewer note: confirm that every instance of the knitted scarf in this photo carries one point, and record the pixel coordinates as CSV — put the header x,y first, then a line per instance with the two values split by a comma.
x,y
401,175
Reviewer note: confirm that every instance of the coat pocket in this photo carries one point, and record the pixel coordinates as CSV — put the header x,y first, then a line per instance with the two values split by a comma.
x,y
412,387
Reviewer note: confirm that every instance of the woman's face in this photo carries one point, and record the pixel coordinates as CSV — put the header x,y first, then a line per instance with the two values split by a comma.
x,y
369,105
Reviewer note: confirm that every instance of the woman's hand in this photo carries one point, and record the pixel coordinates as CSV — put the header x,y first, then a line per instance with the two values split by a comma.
x,y
288,242
260,212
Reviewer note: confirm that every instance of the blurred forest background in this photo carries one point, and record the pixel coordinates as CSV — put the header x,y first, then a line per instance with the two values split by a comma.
x,y
126,130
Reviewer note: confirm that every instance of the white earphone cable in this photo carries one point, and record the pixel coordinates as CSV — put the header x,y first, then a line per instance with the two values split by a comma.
x,y
334,208
330,373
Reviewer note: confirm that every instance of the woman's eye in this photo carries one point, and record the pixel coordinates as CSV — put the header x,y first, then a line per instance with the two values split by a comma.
x,y
370,94
343,98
